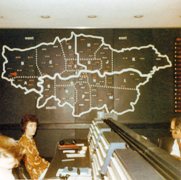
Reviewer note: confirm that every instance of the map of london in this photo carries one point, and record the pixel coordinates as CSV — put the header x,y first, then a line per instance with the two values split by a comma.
x,y
83,72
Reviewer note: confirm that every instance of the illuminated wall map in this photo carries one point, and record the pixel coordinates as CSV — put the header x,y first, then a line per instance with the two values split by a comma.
x,y
83,72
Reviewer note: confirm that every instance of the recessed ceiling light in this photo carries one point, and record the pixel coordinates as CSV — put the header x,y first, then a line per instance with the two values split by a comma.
x,y
138,16
45,17
92,16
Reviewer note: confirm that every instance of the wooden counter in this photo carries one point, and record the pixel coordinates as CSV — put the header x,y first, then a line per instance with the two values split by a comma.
x,y
59,157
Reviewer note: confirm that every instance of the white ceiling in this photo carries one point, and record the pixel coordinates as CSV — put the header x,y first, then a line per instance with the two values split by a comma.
x,y
74,13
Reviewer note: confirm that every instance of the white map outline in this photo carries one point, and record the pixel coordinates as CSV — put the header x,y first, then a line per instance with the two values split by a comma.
x,y
73,35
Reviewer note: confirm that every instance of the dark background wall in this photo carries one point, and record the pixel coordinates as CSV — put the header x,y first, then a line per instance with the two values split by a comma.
x,y
155,105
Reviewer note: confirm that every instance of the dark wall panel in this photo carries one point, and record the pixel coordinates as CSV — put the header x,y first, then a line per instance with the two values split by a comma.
x,y
98,68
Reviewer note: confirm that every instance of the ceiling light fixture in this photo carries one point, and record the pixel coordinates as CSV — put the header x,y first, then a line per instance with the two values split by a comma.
x,y
138,16
45,17
92,16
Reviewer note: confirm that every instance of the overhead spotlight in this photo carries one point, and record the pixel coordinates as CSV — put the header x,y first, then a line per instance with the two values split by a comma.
x,y
138,16
92,16
45,17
